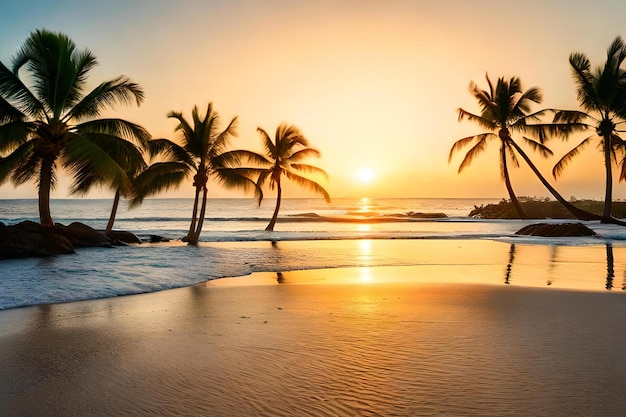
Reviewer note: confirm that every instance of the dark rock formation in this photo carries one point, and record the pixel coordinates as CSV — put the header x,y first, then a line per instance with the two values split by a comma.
x,y
556,230
30,239
157,239
123,237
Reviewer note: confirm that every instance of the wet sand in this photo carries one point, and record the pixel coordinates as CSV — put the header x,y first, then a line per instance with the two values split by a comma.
x,y
342,342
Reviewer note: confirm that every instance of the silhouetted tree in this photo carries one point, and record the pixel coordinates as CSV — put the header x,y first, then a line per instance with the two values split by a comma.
x,y
203,153
505,109
602,96
283,157
47,119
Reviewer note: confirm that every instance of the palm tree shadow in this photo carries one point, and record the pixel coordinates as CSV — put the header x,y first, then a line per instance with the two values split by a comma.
x,y
509,266
610,267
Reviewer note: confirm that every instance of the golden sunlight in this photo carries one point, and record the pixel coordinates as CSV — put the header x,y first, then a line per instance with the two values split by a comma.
x,y
365,175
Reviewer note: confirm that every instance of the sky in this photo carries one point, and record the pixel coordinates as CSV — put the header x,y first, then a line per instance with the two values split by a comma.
x,y
375,86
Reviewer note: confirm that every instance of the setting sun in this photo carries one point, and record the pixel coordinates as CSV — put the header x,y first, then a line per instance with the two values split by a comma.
x,y
365,175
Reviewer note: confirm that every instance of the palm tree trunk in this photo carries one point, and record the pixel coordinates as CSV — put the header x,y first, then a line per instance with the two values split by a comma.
x,y
196,234
116,202
194,216
509,187
608,191
45,183
578,213
270,226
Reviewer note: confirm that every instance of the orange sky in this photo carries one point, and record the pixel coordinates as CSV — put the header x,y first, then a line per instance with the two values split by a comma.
x,y
371,84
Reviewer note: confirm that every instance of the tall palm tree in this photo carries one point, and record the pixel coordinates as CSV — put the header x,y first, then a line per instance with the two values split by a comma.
x,y
283,156
203,153
505,109
47,118
602,96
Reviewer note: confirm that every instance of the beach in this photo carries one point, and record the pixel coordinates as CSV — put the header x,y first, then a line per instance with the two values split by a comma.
x,y
456,316
373,341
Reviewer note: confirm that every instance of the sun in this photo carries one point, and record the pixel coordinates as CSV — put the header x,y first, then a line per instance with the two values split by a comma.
x,y
365,175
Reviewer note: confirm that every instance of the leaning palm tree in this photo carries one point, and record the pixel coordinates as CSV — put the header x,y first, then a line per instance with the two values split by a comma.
x,y
203,153
47,119
602,96
283,156
505,109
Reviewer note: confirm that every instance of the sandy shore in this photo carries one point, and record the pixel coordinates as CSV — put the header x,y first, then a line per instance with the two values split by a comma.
x,y
341,342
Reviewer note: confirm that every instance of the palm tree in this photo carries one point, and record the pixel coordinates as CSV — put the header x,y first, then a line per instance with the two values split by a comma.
x,y
47,119
602,95
203,153
506,109
130,159
282,157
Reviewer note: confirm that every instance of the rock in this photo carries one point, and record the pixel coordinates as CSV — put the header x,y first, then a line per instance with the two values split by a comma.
x,y
28,239
123,237
157,239
82,235
556,230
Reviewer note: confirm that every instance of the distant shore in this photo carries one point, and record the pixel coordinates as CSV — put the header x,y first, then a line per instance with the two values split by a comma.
x,y
543,209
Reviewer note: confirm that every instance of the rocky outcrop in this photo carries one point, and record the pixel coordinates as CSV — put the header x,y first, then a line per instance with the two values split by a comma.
x,y
556,230
124,237
30,239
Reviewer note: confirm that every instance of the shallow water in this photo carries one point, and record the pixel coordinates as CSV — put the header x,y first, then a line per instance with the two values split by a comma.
x,y
234,243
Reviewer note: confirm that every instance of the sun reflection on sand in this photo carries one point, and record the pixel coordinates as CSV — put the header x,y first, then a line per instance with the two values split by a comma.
x,y
365,275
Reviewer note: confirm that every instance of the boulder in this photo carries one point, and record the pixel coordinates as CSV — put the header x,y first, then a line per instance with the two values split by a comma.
x,y
556,230
82,235
123,237
28,239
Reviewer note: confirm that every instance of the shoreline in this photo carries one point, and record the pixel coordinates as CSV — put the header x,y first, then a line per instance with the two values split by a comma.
x,y
337,342
588,266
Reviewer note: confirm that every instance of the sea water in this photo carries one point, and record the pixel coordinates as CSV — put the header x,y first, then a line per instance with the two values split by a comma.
x,y
310,234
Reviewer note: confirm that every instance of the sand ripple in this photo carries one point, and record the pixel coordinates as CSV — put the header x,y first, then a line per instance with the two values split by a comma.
x,y
322,350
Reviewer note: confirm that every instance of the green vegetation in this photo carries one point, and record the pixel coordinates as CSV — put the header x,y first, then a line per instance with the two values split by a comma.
x,y
602,94
204,154
47,120
543,209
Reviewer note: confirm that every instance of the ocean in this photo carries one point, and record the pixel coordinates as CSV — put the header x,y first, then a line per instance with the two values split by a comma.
x,y
310,234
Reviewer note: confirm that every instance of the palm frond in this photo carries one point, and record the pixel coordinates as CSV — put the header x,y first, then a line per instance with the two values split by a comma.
x,y
170,151
157,178
562,163
116,127
539,147
11,162
512,155
462,143
473,152
9,113
13,134
12,88
83,159
106,95
480,120
268,145
235,178
308,184
28,169
310,169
